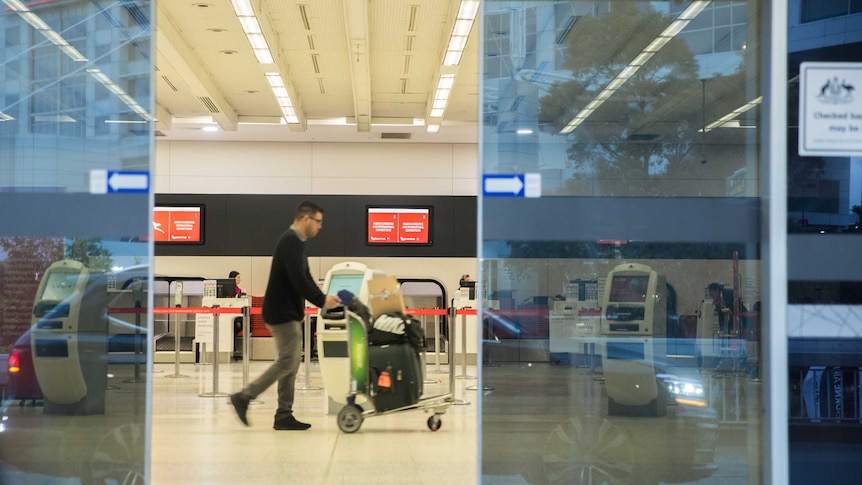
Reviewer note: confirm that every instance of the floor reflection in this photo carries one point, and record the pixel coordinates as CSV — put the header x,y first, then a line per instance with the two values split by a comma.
x,y
548,424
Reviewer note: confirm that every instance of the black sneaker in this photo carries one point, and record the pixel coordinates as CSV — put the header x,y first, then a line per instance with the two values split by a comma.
x,y
290,423
240,405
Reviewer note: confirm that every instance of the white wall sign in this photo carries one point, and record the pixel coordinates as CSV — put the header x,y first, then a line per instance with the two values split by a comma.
x,y
830,109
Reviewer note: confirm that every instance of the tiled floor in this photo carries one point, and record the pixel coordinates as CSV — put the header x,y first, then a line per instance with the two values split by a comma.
x,y
541,424
200,440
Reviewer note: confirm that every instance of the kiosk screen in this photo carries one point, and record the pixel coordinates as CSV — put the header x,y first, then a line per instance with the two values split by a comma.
x,y
625,350
59,285
51,348
345,282
629,288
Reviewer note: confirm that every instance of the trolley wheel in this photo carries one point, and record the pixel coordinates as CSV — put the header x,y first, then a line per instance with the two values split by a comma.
x,y
434,423
350,418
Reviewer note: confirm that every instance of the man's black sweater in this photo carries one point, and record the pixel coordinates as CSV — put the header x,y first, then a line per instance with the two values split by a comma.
x,y
290,282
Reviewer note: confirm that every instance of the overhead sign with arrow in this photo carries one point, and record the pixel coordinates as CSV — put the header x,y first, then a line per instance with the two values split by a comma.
x,y
114,181
512,185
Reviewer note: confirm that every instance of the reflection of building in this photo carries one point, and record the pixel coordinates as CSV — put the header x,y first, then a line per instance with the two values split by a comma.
x,y
57,97
823,31
526,53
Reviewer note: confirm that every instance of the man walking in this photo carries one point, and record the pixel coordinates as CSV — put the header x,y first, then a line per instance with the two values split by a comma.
x,y
290,284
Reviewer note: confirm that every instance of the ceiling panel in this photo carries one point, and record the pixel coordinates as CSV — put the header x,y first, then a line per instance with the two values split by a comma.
x,y
205,63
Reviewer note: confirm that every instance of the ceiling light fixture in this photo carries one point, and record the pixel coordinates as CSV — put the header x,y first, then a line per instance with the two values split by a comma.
x,y
441,95
675,27
461,29
464,21
251,27
254,33
279,89
724,121
111,86
37,23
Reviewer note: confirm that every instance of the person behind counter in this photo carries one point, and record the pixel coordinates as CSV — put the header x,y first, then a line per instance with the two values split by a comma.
x,y
238,278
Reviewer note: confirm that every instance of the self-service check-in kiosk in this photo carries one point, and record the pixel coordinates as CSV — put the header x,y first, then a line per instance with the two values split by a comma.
x,y
69,339
332,329
634,327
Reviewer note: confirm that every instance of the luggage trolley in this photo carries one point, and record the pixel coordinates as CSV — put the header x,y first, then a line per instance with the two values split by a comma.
x,y
350,417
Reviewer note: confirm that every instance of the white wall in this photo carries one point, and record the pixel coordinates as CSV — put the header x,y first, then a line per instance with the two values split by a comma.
x,y
196,167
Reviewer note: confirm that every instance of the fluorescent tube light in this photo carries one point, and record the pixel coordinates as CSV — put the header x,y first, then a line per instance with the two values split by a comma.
x,y
257,41
249,25
242,8
263,56
432,128
34,20
16,6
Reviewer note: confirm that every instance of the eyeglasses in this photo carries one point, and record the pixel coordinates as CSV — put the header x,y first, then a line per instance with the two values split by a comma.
x,y
319,221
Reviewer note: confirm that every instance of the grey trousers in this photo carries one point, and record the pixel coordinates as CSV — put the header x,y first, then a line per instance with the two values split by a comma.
x,y
288,348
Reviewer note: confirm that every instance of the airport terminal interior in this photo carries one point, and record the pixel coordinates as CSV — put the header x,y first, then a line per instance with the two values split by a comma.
x,y
575,242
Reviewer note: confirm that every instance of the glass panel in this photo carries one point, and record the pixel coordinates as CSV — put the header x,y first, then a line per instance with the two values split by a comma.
x,y
824,224
620,258
74,256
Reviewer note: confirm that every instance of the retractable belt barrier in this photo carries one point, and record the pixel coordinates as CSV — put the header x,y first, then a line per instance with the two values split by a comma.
x,y
246,312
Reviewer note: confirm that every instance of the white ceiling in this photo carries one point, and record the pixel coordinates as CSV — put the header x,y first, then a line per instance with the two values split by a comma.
x,y
376,62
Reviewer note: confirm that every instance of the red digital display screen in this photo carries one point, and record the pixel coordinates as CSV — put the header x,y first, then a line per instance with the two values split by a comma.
x,y
178,224
399,225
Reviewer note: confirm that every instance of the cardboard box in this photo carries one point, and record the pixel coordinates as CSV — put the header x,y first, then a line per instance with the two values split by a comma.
x,y
384,296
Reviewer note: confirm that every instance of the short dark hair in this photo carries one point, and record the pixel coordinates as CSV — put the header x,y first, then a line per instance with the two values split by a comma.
x,y
306,208
233,274
715,287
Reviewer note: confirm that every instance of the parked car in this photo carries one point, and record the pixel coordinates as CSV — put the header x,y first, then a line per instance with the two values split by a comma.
x,y
22,385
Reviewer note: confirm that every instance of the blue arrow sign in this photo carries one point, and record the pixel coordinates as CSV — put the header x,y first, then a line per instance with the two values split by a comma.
x,y
512,185
128,182
503,185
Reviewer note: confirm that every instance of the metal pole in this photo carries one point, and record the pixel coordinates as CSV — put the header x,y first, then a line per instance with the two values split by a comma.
x,y
246,344
139,351
424,356
459,402
176,373
307,386
464,349
215,392
437,347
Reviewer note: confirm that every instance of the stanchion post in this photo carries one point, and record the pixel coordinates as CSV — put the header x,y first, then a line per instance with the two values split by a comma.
x,y
246,344
424,355
452,346
437,346
464,349
215,392
176,373
307,342
139,351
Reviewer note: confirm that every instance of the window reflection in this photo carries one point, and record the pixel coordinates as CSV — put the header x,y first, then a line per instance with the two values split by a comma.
x,y
74,331
606,353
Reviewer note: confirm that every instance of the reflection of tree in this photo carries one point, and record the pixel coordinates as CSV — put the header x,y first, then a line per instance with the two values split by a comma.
x,y
649,126
91,253
26,261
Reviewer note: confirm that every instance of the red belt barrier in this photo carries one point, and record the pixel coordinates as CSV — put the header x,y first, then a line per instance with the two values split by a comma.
x,y
257,311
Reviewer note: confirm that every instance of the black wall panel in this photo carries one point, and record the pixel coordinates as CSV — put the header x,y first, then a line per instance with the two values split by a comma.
x,y
249,225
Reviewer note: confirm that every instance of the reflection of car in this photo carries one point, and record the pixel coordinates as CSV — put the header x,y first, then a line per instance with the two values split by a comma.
x,y
119,333
22,377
